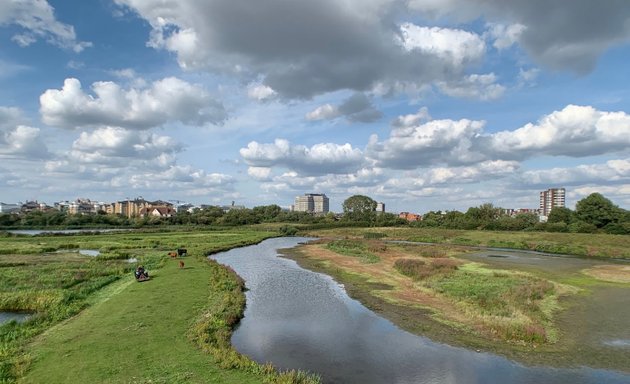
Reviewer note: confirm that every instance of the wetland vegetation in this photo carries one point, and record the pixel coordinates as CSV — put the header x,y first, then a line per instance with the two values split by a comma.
x,y
534,308
90,321
174,328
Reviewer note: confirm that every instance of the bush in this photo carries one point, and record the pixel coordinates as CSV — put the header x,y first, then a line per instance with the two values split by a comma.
x,y
288,230
582,227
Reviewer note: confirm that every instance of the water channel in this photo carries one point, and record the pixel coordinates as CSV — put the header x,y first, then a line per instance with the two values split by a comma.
x,y
5,317
34,232
298,319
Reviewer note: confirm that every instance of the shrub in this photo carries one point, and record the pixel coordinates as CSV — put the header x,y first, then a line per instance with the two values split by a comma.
x,y
288,230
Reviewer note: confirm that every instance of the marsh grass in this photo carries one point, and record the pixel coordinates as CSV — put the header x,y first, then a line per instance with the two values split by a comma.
x,y
420,270
53,287
364,250
374,235
511,305
58,285
579,244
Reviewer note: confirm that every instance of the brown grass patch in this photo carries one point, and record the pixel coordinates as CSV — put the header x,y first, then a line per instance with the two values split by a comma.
x,y
611,273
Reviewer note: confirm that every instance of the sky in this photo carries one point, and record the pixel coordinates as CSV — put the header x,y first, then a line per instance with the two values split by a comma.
x,y
420,104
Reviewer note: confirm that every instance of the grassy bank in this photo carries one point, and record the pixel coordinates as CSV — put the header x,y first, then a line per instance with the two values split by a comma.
x,y
433,290
579,244
174,328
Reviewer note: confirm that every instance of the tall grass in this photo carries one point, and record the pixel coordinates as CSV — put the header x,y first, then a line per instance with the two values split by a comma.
x,y
420,270
365,251
515,298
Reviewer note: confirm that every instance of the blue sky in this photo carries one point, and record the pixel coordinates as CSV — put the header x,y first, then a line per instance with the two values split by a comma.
x,y
421,104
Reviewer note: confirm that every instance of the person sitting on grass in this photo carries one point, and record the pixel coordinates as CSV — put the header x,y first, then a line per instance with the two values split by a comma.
x,y
141,274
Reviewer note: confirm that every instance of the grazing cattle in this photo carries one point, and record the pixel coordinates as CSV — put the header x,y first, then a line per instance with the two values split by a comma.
x,y
181,264
172,254
181,251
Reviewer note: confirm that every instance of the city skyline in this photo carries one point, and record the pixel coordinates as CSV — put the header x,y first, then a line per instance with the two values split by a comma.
x,y
420,104
309,202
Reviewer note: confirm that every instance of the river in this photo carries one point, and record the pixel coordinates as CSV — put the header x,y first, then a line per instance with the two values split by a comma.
x,y
298,319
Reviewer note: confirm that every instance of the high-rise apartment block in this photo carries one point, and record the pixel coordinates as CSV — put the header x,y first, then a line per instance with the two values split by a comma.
x,y
311,202
554,197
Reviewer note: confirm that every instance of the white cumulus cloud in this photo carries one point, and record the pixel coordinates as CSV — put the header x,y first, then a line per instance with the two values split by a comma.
x,y
37,20
477,87
319,159
576,131
169,99
431,143
450,44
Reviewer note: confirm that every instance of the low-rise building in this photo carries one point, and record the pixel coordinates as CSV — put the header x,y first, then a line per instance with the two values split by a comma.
x,y
31,206
410,216
162,211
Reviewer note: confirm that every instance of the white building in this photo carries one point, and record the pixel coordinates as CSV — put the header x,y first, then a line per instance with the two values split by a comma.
x,y
380,207
311,202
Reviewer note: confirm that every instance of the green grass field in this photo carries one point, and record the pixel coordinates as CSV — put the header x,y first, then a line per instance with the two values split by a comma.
x,y
95,323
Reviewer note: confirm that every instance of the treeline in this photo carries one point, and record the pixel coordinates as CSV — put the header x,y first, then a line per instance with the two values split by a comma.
x,y
214,216
593,214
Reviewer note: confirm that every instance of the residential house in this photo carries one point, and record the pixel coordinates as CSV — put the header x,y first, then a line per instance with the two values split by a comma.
x,y
410,216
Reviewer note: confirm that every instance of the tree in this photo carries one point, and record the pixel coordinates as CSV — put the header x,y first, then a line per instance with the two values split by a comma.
x,y
483,214
597,210
359,208
431,219
560,215
267,212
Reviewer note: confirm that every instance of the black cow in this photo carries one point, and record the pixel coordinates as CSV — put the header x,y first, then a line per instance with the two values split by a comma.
x,y
181,251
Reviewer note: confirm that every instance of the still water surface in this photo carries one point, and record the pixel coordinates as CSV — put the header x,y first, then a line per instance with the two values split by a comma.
x,y
33,232
5,317
298,319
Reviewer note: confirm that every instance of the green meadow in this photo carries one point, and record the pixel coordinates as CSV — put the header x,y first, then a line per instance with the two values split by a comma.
x,y
92,322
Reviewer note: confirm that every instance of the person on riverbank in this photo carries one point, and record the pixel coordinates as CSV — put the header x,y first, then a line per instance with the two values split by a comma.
x,y
141,273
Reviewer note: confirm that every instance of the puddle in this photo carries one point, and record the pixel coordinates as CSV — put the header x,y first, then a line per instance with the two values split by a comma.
x,y
619,343
20,317
503,256
89,252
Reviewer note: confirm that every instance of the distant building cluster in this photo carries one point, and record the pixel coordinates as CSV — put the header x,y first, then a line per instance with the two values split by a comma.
x,y
315,203
137,207
312,203
549,199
